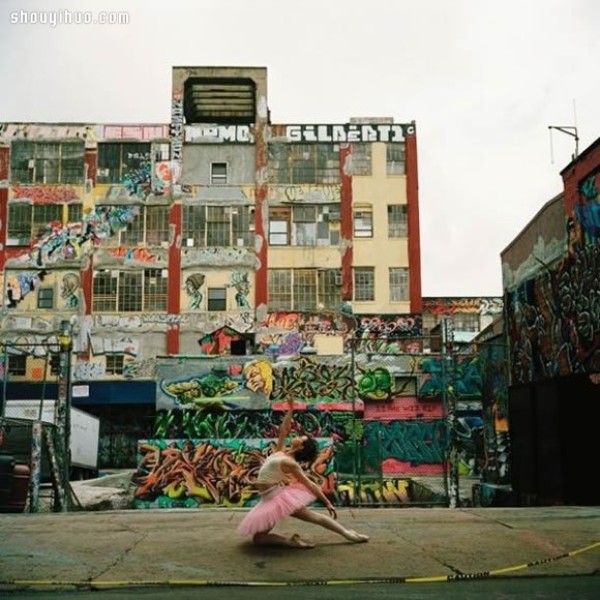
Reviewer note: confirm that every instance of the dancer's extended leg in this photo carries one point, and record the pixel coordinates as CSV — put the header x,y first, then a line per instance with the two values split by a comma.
x,y
305,514
274,539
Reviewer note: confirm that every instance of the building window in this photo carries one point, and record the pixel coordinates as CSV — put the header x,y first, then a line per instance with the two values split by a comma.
x,y
45,297
303,163
217,298
221,226
364,284
17,364
218,173
306,225
47,162
304,289
399,284
149,227
397,221
362,161
118,160
395,159
74,213
466,321
363,222
114,364
27,221
279,227
130,291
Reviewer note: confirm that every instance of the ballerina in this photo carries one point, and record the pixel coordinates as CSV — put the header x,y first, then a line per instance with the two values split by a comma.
x,y
286,490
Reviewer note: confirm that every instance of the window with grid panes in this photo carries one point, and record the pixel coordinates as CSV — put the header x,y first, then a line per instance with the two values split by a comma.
x,y
466,321
305,225
279,227
17,364
155,290
218,226
364,284
115,364
363,222
19,224
397,221
45,297
222,226
399,284
304,289
150,227
43,215
130,297
117,159
330,287
362,161
395,158
129,291
280,289
47,162
74,213
303,163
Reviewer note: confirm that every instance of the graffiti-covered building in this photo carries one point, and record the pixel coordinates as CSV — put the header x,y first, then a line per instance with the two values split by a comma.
x,y
212,266
551,280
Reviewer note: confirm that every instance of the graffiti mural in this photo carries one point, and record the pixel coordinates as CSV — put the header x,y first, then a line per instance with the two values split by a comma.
x,y
191,473
461,376
554,320
193,287
406,447
285,333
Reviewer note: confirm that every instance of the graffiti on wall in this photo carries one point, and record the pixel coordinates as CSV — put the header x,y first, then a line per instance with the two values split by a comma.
x,y
256,383
460,377
285,333
192,473
584,227
554,320
449,306
406,447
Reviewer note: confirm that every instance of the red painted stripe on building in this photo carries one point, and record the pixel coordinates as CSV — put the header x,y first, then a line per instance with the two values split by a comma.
x,y
261,289
346,223
174,282
414,236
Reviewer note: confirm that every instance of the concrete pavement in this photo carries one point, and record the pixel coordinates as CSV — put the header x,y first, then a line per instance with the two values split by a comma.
x,y
201,547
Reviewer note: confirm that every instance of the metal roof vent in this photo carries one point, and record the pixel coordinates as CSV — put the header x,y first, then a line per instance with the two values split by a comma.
x,y
220,100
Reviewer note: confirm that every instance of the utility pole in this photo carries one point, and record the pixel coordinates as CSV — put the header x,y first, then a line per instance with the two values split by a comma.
x,y
63,416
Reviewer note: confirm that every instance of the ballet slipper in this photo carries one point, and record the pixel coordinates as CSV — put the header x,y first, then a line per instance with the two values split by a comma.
x,y
298,542
357,538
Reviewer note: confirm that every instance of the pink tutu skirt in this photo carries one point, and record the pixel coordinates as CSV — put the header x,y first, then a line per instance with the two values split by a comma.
x,y
275,504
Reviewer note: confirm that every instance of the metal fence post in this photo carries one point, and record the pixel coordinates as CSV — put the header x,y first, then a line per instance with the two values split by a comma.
x,y
449,399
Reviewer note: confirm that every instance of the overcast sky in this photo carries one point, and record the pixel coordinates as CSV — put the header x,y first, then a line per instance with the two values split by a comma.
x,y
483,80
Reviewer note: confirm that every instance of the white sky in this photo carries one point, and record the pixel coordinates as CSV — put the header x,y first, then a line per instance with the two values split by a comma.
x,y
483,79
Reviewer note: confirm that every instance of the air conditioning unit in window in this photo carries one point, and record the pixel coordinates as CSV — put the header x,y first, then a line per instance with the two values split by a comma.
x,y
334,215
338,279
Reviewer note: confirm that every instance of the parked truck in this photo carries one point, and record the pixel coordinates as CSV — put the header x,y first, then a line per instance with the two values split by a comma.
x,y
84,438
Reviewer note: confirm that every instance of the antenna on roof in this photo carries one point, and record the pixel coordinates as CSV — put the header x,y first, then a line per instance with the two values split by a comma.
x,y
569,130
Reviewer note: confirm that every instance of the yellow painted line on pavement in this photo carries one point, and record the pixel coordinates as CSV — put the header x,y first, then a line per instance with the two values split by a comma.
x,y
40,583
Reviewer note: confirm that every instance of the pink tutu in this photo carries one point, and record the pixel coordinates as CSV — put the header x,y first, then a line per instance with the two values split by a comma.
x,y
275,504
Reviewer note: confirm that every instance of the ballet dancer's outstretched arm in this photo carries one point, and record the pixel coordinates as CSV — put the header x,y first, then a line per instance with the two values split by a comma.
x,y
285,427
